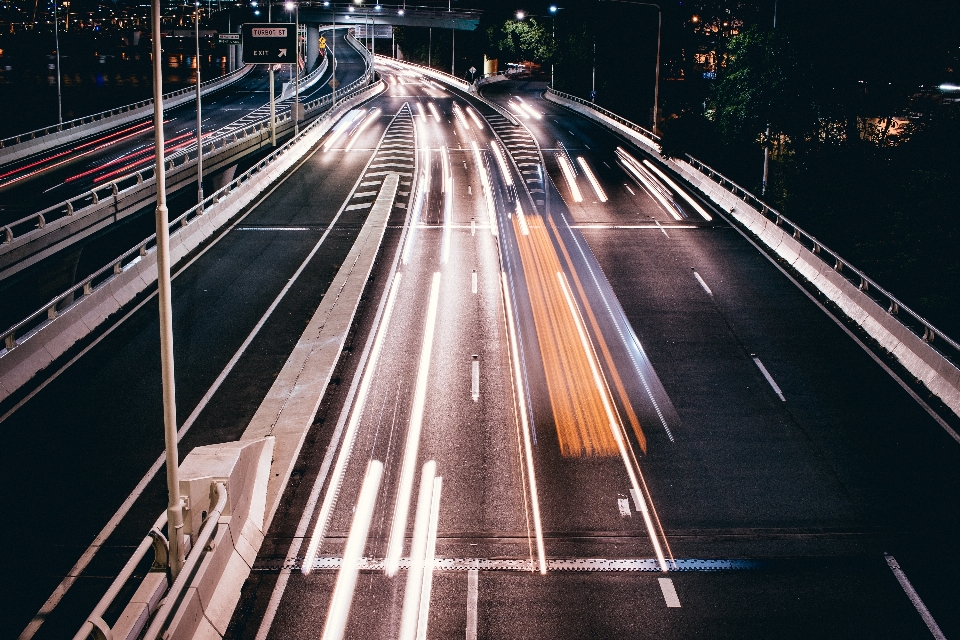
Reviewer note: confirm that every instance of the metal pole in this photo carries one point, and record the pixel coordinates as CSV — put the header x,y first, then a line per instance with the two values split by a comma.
x,y
453,52
56,38
333,59
296,99
766,140
174,507
430,47
656,81
199,122
273,106
553,37
593,80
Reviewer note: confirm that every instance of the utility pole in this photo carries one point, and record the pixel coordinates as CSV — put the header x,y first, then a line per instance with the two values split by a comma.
x,y
56,39
766,140
273,106
174,505
430,48
199,124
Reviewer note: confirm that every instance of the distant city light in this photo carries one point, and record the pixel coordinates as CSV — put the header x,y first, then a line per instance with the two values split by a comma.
x,y
948,87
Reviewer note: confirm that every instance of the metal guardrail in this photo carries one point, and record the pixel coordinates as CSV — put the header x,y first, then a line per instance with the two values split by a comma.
x,y
919,325
23,230
48,312
76,122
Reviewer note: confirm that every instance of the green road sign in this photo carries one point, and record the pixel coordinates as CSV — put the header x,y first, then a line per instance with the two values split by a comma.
x,y
268,43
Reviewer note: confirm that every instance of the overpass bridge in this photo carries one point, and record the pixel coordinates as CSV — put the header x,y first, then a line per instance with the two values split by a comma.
x,y
517,375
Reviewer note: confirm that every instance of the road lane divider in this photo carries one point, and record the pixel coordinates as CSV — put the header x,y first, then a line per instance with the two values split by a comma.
x,y
473,590
342,598
405,485
766,374
475,378
701,281
669,593
410,613
521,408
473,280
914,598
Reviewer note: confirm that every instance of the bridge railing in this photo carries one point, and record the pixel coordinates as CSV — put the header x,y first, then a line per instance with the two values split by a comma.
x,y
917,324
103,115
34,322
30,226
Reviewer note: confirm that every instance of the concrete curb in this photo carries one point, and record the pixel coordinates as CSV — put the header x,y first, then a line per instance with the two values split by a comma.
x,y
37,350
927,365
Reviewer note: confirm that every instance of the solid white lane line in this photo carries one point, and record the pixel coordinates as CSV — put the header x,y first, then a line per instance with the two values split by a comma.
x,y
915,598
342,597
623,505
677,189
330,499
429,560
473,590
702,283
766,374
592,179
660,226
473,281
669,592
626,185
405,486
475,379
418,548
522,410
612,419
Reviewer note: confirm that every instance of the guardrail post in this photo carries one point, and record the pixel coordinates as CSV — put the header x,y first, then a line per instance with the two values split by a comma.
x,y
837,265
87,288
893,308
7,235
51,312
10,341
69,208
117,269
41,221
96,198
928,334
864,285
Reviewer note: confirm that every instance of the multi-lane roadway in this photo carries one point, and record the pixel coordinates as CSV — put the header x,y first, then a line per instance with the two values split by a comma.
x,y
582,376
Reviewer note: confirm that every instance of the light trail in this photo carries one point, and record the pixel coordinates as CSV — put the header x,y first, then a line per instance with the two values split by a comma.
x,y
418,548
485,184
405,485
592,179
146,161
475,117
447,204
129,156
342,598
422,190
522,410
329,500
374,114
458,112
429,560
502,162
528,108
635,169
570,177
433,111
423,114
614,422
342,126
524,228
683,194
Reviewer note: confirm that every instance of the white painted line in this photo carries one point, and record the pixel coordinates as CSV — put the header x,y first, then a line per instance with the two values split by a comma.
x,y
473,589
626,185
418,549
473,281
766,374
353,554
669,592
475,379
522,410
469,190
660,226
429,560
405,486
624,506
473,229
915,598
636,498
705,287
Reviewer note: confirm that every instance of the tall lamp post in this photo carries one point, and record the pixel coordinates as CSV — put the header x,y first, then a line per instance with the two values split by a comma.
x,y
656,82
766,141
174,505
295,6
553,37
56,40
199,125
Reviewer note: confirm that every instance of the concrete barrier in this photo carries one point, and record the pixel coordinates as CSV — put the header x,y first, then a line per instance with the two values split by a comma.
x,y
926,364
38,349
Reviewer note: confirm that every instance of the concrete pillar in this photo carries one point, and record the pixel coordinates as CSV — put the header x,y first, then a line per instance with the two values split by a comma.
x,y
313,45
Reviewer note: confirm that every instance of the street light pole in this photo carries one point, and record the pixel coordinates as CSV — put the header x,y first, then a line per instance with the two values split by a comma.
x,y
766,140
273,106
56,39
656,82
174,505
199,125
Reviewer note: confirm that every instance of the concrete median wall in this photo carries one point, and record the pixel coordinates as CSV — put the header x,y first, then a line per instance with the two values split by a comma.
x,y
53,339
938,374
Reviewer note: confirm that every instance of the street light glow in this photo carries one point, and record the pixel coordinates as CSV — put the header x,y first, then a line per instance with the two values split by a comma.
x,y
553,8
289,6
521,15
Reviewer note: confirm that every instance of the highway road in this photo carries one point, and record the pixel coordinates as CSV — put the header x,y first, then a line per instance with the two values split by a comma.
x,y
756,449
582,378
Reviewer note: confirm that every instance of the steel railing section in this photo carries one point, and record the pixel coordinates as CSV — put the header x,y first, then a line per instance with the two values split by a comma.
x,y
34,322
29,227
213,83
917,324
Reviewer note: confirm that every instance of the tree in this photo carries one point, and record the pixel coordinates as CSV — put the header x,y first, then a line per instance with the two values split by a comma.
x,y
523,40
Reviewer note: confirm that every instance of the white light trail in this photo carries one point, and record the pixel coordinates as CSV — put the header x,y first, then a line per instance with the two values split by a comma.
x,y
524,229
405,486
683,194
342,598
636,170
342,126
433,110
475,117
422,189
522,410
502,162
343,459
485,183
516,109
612,418
527,108
423,114
374,114
570,177
418,549
462,119
447,205
592,178
429,560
